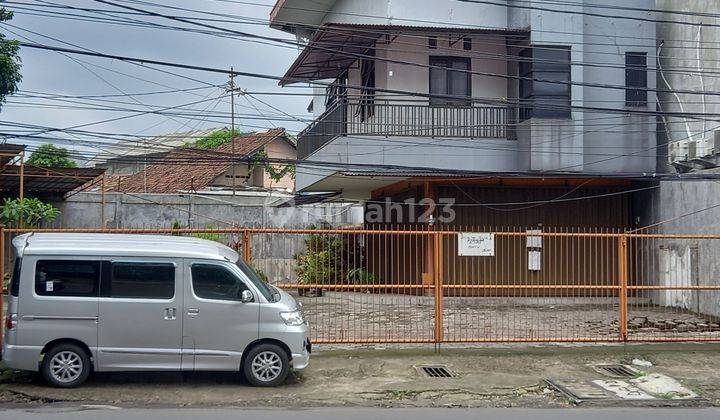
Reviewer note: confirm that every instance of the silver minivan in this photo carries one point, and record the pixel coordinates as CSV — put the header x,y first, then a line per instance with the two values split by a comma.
x,y
110,302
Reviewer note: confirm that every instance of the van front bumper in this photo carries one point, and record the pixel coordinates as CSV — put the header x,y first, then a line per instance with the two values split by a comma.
x,y
301,360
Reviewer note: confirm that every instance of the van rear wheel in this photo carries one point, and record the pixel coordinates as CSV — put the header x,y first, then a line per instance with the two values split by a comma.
x,y
266,365
65,366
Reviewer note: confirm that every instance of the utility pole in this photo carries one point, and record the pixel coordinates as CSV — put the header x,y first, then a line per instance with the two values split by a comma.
x,y
232,125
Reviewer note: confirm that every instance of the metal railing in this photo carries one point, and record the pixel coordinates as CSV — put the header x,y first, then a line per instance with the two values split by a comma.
x,y
413,286
409,119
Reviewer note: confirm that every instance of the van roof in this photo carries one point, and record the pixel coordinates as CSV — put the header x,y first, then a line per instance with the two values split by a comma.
x,y
121,245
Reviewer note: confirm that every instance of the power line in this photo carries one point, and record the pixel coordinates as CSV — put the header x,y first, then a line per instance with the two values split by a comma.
x,y
408,93
394,61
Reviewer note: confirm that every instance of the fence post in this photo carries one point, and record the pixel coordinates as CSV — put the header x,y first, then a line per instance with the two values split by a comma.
x,y
2,280
623,280
247,255
438,287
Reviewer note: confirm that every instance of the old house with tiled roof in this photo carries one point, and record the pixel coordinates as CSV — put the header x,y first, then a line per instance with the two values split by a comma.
x,y
187,169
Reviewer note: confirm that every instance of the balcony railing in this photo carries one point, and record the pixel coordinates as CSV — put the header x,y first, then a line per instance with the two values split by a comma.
x,y
407,119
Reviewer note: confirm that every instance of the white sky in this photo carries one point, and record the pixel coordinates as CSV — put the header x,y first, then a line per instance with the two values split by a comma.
x,y
51,72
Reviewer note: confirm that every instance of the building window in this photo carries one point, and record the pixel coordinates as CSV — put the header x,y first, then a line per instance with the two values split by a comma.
x,y
635,79
545,82
467,44
449,76
216,282
432,42
67,278
138,280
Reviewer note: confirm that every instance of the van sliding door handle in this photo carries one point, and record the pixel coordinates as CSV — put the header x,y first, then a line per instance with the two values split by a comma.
x,y
193,311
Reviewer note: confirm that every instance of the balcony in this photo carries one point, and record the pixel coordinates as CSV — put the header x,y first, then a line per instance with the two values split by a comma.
x,y
407,119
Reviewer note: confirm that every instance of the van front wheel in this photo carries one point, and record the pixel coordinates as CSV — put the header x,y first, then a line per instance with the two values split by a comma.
x,y
65,366
266,365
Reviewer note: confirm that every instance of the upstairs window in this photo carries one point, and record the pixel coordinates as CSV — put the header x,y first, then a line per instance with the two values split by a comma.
x,y
635,79
449,76
545,82
467,44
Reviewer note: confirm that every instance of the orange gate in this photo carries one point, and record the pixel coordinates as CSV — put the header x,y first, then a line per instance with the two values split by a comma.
x,y
439,286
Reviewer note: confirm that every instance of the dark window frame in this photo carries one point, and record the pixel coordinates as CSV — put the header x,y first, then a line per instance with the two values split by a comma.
x,y
446,61
237,296
467,44
537,64
636,79
337,91
41,286
367,82
108,278
432,42
15,279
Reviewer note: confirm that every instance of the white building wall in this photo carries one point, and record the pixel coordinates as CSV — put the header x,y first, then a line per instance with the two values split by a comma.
x,y
680,59
593,140
439,13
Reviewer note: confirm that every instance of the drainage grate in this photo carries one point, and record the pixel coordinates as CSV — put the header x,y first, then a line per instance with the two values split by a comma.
x,y
435,371
616,370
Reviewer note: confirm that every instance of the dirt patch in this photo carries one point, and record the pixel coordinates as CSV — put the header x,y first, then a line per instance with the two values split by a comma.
x,y
487,377
365,316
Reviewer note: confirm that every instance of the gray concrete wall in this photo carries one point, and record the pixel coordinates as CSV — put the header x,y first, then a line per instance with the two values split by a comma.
x,y
273,254
683,207
680,59
221,211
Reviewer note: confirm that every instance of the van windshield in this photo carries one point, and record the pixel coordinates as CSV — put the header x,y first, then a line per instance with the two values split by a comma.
x,y
263,287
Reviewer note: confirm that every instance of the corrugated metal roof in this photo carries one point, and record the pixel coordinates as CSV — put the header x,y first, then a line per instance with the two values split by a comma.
x,y
335,47
46,180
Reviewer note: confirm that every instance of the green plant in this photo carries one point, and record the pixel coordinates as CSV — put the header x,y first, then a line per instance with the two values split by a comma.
x,y
275,172
27,212
9,61
176,225
215,139
362,276
210,236
49,156
321,263
259,271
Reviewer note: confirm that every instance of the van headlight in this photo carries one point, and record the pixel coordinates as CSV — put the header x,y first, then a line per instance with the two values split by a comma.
x,y
293,318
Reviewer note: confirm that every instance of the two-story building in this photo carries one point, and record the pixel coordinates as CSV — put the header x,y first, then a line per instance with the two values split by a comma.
x,y
484,103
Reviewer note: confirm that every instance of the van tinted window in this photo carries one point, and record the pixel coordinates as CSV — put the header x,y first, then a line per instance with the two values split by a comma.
x,y
212,281
15,280
67,278
142,280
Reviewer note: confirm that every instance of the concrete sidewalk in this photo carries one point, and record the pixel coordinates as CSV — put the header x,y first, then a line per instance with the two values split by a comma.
x,y
487,377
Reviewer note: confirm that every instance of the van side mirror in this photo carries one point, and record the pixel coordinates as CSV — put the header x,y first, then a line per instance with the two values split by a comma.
x,y
246,296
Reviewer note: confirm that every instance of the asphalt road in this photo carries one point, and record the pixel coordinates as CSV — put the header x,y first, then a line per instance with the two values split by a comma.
x,y
87,412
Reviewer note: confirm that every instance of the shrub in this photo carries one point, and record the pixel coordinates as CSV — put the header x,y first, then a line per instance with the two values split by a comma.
x,y
30,211
321,263
362,276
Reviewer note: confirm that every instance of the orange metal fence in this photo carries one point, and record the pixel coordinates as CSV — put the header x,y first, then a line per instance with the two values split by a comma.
x,y
421,286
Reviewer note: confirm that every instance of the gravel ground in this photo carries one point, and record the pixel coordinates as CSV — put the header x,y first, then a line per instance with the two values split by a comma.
x,y
364,316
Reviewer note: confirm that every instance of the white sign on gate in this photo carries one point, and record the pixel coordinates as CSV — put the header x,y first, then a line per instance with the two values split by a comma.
x,y
476,244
